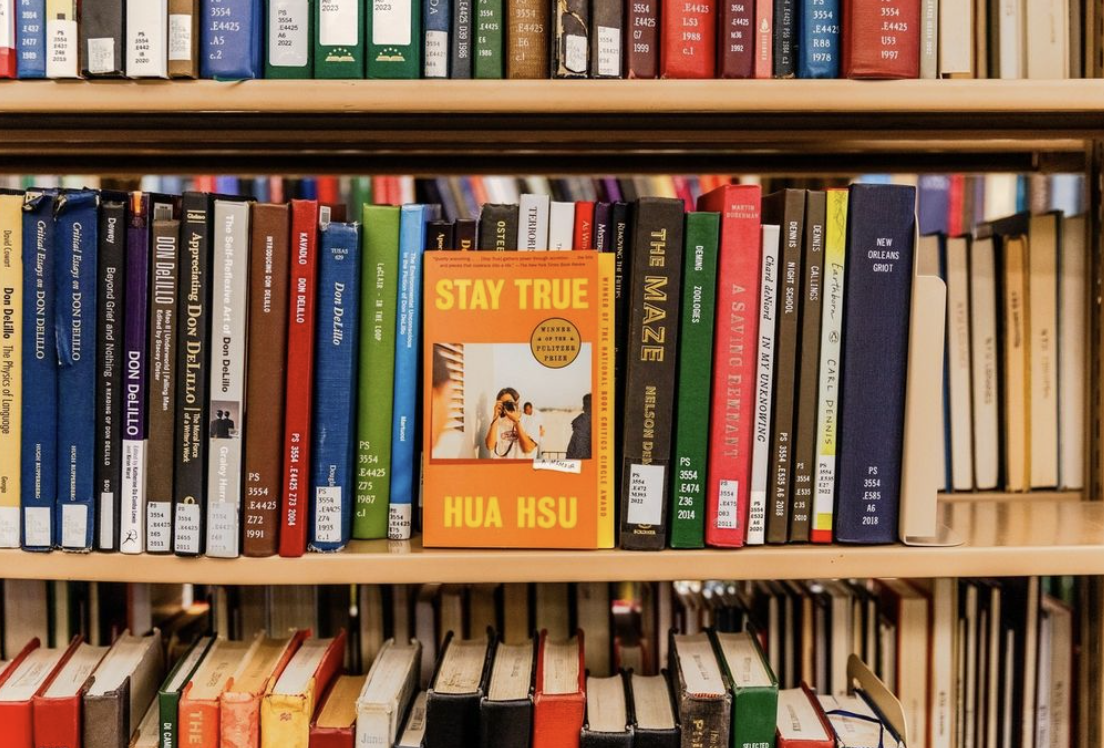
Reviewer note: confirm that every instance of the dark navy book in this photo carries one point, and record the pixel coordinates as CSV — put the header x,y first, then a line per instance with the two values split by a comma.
x,y
40,371
818,45
437,51
31,39
233,36
881,226
75,233
333,477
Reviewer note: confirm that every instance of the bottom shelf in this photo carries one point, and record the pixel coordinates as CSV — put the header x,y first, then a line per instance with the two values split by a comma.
x,y
1034,535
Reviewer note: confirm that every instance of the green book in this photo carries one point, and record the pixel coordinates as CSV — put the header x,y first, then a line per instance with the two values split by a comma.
x,y
168,697
754,689
695,372
488,39
339,39
378,309
289,46
360,194
394,33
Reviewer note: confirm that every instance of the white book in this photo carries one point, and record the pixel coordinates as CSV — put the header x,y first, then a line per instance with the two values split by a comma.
x,y
413,734
7,24
985,365
929,38
147,39
1044,684
289,41
841,633
229,308
944,602
764,389
1001,195
62,42
1073,293
1046,25
1059,655
959,363
956,39
533,222
387,692
1031,643
561,225
1010,32
1042,326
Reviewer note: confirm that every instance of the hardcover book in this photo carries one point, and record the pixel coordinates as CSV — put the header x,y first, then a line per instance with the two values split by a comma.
x,y
490,27
801,722
334,725
753,685
764,388
437,38
764,38
608,721
123,685
240,701
608,30
498,227
290,46
8,67
339,39
103,45
232,39
413,732
57,708
561,226
642,44
184,19
394,39
290,703
270,268
199,714
559,701
533,218
1044,248
527,39
62,39
168,696
688,48
555,355
30,40
132,530
695,372
392,683
785,25
507,707
955,259
881,229
462,40
27,680
818,46
701,693
874,47
985,359
459,684
572,43
11,366
736,21
654,721
147,30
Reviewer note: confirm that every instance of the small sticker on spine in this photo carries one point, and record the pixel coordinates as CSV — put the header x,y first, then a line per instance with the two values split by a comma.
x,y
398,521
726,505
180,37
101,56
222,530
159,527
61,56
327,514
9,527
74,526
186,529
436,54
575,57
609,52
36,527
646,494
288,38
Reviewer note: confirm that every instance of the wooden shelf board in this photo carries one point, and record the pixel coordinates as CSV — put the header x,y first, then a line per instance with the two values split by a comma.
x,y
1003,538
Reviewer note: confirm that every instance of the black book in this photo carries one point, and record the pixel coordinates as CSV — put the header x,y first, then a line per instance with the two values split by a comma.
x,y
439,236
608,722
506,711
650,353
462,37
785,38
459,684
464,232
654,720
702,696
498,225
102,38
621,245
193,361
808,370
109,367
607,24
785,209
570,42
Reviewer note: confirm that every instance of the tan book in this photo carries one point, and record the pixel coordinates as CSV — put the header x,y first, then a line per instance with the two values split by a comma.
x,y
1017,375
592,615
339,711
370,619
482,610
909,609
200,710
551,609
1042,326
515,613
183,49
528,46
149,730
1046,25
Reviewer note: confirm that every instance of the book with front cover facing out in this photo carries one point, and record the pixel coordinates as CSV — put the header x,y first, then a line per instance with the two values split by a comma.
x,y
527,39
339,39
231,46
103,45
872,51
76,219
459,684
881,228
394,39
147,29
701,694
11,366
290,43
764,389
695,370
651,352
184,18
436,38
553,355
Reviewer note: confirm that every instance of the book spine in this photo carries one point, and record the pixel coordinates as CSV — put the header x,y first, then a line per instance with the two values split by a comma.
x,y
808,369
873,51
335,402
465,232
737,47
688,48
437,38
192,365
764,388
764,38
582,235
985,356
695,368
75,277
533,215
462,46
132,514
498,228
961,426
232,34
650,372
785,22
871,417
289,51
378,305
439,236
102,42
300,377
412,229
561,226
607,32
572,43
339,39
780,477
147,29
11,365
754,715
183,45
929,39
31,39
394,39
267,356
62,39
163,333
603,227
8,67
527,32
818,49
642,46
489,38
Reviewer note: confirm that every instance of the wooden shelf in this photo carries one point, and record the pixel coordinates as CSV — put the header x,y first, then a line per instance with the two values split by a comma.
x,y
1010,537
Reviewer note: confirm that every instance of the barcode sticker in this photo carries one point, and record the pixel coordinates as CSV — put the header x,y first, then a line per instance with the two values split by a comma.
x,y
9,527
726,505
180,37
74,526
391,23
575,58
159,527
36,527
609,52
646,494
101,55
327,514
436,54
186,529
339,23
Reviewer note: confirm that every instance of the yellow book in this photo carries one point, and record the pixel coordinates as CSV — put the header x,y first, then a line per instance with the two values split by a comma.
x,y
11,364
287,708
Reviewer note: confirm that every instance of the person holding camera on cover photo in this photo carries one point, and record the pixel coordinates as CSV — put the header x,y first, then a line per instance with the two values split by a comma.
x,y
507,438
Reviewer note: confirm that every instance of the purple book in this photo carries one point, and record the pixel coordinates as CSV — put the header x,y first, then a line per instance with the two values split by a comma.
x,y
132,530
933,203
611,189
603,227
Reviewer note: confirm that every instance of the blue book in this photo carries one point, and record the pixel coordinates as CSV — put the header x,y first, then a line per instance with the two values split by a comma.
x,y
333,476
40,374
412,232
881,226
933,203
438,28
31,39
233,35
818,47
76,232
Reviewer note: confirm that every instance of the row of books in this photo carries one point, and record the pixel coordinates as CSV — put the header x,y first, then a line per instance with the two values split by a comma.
x,y
346,39
972,662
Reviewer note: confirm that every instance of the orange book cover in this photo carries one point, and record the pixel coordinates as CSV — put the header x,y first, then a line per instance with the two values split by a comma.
x,y
240,718
518,391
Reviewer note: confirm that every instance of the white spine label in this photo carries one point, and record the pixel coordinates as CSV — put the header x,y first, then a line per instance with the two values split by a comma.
x,y
609,52
132,531
107,521
222,530
159,527
576,57
61,60
726,505
646,494
9,527
36,527
288,38
391,22
74,526
101,55
187,527
339,23
436,54
327,514
7,29
398,521
180,37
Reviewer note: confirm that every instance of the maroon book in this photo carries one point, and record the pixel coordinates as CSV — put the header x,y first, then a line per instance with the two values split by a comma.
x,y
642,56
881,38
736,56
689,45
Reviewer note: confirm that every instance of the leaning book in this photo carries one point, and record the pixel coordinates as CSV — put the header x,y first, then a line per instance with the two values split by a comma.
x,y
518,389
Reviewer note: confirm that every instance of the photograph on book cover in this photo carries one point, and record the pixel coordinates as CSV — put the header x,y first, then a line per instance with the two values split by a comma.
x,y
513,401
224,420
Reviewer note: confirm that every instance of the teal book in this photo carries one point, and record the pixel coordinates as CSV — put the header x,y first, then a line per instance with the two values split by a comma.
x,y
394,38
488,38
339,39
695,373
379,289
289,47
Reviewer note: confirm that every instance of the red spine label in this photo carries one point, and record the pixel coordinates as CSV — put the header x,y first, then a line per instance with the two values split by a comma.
x,y
881,39
689,47
764,38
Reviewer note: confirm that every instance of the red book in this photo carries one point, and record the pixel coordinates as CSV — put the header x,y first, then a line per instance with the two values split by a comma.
x,y
204,184
801,721
764,38
737,39
956,195
881,38
559,702
25,679
295,509
735,345
642,53
7,41
329,190
688,48
334,724
57,710
584,226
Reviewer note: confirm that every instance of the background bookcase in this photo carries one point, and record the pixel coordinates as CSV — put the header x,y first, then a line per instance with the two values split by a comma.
x,y
498,127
